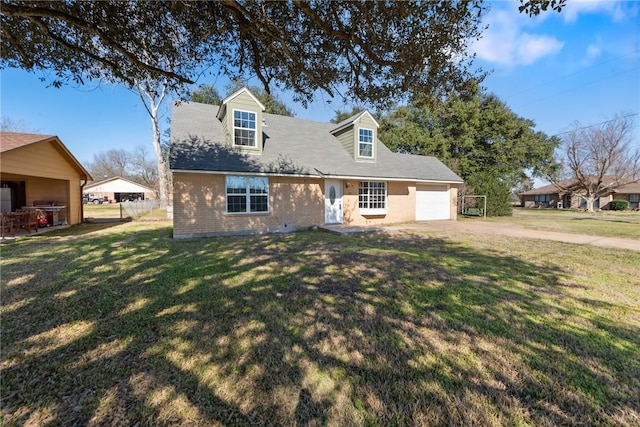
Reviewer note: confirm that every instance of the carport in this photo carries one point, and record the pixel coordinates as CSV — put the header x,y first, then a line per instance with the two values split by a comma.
x,y
39,168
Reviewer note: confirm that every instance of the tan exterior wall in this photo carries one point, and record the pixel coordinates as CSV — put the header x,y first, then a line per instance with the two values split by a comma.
x,y
199,206
454,202
604,201
401,204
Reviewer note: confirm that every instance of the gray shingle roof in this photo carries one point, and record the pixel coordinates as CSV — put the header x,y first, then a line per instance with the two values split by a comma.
x,y
290,146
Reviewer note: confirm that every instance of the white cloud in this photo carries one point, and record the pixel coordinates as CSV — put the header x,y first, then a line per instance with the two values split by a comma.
x,y
529,48
594,50
619,11
505,43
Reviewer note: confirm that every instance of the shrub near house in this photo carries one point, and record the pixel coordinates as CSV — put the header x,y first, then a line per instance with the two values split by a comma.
x,y
618,205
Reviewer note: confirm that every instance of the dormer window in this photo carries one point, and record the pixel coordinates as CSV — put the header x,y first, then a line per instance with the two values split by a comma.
x,y
244,128
365,142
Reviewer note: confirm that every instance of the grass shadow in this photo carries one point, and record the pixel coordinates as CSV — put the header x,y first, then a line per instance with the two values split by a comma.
x,y
308,329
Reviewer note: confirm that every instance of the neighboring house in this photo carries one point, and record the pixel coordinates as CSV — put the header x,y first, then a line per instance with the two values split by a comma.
x,y
40,170
551,196
548,196
118,189
237,169
630,193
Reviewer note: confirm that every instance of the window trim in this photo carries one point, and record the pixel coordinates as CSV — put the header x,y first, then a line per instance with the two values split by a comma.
x,y
372,143
255,130
369,210
247,194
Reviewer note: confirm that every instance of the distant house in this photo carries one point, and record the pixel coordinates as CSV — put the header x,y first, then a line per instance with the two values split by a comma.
x,y
237,169
630,193
39,170
552,196
118,189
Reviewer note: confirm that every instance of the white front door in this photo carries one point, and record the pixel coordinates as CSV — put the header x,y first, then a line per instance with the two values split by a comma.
x,y
333,201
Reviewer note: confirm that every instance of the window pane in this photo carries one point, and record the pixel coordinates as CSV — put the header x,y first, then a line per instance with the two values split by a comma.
x,y
259,203
366,135
244,119
366,150
236,194
235,183
245,137
236,203
372,195
259,185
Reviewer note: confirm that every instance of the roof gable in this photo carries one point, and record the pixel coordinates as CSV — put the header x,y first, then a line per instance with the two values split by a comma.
x,y
107,184
351,120
243,90
10,141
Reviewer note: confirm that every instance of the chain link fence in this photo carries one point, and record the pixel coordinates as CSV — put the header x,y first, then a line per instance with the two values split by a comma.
x,y
142,210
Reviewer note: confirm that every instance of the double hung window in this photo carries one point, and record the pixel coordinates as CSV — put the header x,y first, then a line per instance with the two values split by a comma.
x,y
244,128
247,194
365,142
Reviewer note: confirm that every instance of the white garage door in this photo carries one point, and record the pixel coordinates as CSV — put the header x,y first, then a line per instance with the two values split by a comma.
x,y
433,202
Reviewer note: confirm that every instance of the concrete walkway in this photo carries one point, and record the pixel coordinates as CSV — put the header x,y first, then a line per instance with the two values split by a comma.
x,y
504,229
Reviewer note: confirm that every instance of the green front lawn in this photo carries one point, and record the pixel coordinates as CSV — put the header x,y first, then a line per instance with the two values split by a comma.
x,y
105,210
123,325
625,224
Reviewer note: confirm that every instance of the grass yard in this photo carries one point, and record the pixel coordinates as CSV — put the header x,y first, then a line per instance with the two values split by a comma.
x,y
114,211
604,223
105,210
124,326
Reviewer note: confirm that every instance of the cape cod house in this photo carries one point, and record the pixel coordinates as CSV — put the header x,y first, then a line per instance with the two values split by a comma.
x,y
239,170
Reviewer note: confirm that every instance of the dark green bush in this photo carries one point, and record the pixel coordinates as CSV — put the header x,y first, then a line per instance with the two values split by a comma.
x,y
496,190
618,205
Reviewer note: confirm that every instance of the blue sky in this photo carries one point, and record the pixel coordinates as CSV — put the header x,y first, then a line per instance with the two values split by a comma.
x,y
580,65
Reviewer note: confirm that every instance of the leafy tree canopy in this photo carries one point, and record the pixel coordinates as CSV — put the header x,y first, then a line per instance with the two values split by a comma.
x,y
206,94
471,133
379,51
477,136
345,114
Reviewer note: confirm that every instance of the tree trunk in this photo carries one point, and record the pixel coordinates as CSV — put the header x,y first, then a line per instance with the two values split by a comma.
x,y
162,170
590,199
155,94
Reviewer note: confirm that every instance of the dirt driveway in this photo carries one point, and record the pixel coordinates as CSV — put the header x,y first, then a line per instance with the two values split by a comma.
x,y
481,227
